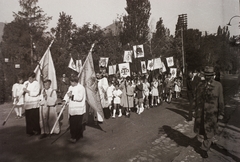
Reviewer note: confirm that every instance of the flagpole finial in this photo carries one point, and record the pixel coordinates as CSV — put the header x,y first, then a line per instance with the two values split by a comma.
x,y
92,47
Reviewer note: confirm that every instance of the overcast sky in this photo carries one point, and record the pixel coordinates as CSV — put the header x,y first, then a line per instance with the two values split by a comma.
x,y
205,15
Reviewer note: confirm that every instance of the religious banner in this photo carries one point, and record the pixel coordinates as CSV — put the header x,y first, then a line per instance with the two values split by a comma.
x,y
138,51
112,69
72,65
170,61
163,67
173,71
46,70
124,69
127,56
150,65
157,63
143,67
103,61
87,78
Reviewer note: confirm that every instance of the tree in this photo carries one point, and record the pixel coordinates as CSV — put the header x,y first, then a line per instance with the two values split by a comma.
x,y
192,46
35,22
162,42
20,37
135,24
62,46
26,30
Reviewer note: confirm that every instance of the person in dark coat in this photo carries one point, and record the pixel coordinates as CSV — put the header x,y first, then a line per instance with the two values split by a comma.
x,y
190,94
209,109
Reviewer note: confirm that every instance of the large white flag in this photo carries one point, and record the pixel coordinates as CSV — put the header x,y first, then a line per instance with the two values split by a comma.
x,y
46,70
87,78
72,65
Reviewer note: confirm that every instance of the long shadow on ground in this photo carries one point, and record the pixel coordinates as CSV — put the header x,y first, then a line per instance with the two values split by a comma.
x,y
185,141
17,146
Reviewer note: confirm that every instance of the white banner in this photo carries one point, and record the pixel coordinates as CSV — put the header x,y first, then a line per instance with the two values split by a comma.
x,y
103,61
143,67
138,51
124,69
127,56
112,69
163,67
170,61
72,65
150,65
173,71
157,63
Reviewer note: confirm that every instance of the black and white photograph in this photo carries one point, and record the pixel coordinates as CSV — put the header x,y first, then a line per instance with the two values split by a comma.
x,y
120,80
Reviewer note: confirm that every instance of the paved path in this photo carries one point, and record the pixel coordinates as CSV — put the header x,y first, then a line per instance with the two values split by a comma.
x,y
180,140
159,134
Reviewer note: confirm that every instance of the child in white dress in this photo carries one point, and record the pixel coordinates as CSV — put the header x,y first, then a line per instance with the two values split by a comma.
x,y
17,94
116,101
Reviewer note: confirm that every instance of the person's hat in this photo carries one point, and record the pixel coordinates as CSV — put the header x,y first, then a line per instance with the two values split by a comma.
x,y
209,71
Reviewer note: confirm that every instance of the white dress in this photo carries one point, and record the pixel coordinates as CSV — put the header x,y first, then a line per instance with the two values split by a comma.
x,y
17,91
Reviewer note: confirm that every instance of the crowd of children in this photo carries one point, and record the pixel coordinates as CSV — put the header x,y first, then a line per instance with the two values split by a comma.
x,y
138,92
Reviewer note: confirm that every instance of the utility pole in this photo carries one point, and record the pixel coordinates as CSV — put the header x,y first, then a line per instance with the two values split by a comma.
x,y
183,24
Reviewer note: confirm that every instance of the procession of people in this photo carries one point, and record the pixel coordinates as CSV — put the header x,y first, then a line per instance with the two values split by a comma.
x,y
120,97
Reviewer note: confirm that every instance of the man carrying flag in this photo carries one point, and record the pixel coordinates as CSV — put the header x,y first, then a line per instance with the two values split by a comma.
x,y
46,76
76,97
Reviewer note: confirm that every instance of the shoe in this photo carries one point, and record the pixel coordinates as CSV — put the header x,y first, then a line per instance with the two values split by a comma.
x,y
72,140
127,114
43,136
120,115
204,154
36,133
113,117
138,109
141,110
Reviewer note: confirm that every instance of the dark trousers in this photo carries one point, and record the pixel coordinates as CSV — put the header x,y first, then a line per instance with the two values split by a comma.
x,y
207,142
76,126
191,100
32,121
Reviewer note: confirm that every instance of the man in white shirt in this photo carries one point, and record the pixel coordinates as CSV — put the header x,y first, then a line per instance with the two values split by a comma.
x,y
76,97
31,105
